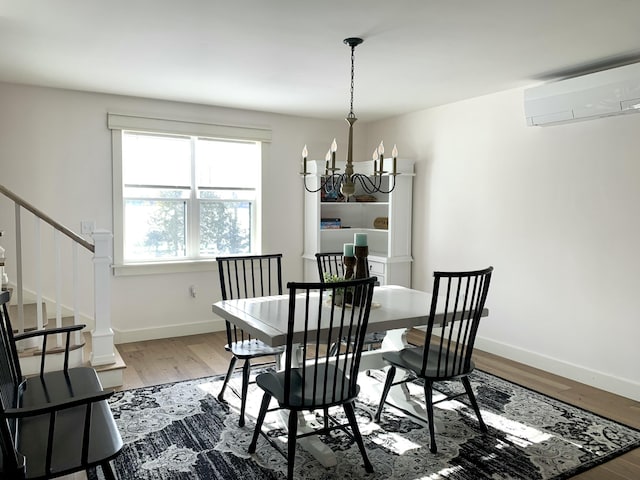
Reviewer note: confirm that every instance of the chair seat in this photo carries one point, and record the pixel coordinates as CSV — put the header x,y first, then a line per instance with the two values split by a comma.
x,y
411,359
253,348
317,395
104,441
56,386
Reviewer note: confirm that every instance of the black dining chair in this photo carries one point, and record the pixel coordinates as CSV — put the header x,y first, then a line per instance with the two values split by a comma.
x,y
314,378
331,262
247,277
56,422
448,343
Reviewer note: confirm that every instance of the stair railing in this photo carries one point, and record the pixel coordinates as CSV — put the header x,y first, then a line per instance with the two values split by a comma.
x,y
102,334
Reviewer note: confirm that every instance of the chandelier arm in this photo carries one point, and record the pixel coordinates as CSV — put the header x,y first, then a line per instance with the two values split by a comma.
x,y
371,186
326,182
392,182
312,190
333,183
368,185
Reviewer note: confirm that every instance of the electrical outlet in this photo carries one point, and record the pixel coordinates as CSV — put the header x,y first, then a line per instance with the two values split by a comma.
x,y
87,227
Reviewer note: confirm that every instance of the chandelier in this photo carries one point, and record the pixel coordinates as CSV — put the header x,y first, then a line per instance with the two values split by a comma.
x,y
334,182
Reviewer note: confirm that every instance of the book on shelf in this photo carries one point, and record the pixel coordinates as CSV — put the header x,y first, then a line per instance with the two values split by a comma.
x,y
330,223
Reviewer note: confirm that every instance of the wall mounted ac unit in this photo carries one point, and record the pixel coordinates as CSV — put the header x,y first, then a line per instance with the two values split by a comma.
x,y
601,94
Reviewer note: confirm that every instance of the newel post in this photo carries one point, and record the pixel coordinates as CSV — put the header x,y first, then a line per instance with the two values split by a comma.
x,y
102,336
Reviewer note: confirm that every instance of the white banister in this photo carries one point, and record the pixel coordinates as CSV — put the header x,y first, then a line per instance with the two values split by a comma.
x,y
102,335
38,266
103,348
76,296
19,268
58,279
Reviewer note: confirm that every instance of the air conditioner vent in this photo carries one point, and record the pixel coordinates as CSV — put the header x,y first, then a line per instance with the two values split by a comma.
x,y
601,94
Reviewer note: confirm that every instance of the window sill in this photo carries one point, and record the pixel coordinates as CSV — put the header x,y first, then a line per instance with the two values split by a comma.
x,y
162,268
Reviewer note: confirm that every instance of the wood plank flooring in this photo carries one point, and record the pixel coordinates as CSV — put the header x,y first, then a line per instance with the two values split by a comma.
x,y
174,359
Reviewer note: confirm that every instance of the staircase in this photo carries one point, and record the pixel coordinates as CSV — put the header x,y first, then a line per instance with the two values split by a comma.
x,y
61,296
110,375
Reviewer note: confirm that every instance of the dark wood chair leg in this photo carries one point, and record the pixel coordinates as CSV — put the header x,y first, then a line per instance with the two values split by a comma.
x,y
348,410
385,391
107,471
266,398
246,370
428,396
232,366
291,450
474,403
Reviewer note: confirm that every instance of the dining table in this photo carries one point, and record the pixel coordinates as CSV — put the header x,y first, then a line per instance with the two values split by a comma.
x,y
394,310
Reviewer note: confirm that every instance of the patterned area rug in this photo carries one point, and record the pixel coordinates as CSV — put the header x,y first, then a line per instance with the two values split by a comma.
x,y
181,431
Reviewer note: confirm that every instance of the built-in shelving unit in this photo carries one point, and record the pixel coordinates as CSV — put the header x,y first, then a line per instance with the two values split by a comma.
x,y
389,248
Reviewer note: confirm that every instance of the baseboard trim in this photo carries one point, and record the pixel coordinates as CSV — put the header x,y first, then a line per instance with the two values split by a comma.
x,y
620,386
168,331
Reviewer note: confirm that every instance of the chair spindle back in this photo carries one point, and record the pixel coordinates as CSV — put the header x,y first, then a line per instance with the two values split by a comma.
x,y
322,377
247,277
461,295
329,263
10,380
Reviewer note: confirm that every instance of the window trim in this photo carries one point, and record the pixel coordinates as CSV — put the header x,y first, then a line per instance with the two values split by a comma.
x,y
119,122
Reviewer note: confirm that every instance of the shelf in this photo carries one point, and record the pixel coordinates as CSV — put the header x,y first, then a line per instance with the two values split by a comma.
x,y
324,204
357,229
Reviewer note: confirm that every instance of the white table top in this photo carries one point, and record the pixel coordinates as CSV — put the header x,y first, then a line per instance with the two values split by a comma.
x,y
266,317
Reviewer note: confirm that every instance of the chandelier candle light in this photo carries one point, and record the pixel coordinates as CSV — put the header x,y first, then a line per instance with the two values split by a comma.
x,y
345,183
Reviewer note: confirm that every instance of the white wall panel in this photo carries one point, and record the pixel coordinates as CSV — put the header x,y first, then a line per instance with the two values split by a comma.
x,y
554,210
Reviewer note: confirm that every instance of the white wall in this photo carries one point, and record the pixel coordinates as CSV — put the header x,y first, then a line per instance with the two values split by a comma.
x,y
55,152
556,211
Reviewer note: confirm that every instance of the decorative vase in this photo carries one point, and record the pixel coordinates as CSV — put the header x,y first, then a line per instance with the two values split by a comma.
x,y
339,299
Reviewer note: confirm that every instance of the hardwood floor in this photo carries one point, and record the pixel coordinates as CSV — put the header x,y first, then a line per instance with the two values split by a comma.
x,y
173,359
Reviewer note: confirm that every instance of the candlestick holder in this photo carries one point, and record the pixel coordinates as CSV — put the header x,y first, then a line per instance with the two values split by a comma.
x,y
349,263
361,254
362,271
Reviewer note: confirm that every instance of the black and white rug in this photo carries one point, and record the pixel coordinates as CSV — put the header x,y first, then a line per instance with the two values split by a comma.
x,y
181,431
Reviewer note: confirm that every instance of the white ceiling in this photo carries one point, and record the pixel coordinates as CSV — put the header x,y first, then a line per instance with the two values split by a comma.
x,y
287,55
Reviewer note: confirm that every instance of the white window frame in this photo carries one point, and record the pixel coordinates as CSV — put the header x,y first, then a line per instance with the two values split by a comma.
x,y
117,123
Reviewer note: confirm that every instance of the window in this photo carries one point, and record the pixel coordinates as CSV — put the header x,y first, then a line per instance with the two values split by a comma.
x,y
184,197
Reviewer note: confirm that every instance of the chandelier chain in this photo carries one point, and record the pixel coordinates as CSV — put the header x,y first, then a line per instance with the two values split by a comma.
x,y
353,48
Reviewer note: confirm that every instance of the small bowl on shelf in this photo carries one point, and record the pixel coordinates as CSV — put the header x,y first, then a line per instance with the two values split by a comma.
x,y
365,198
